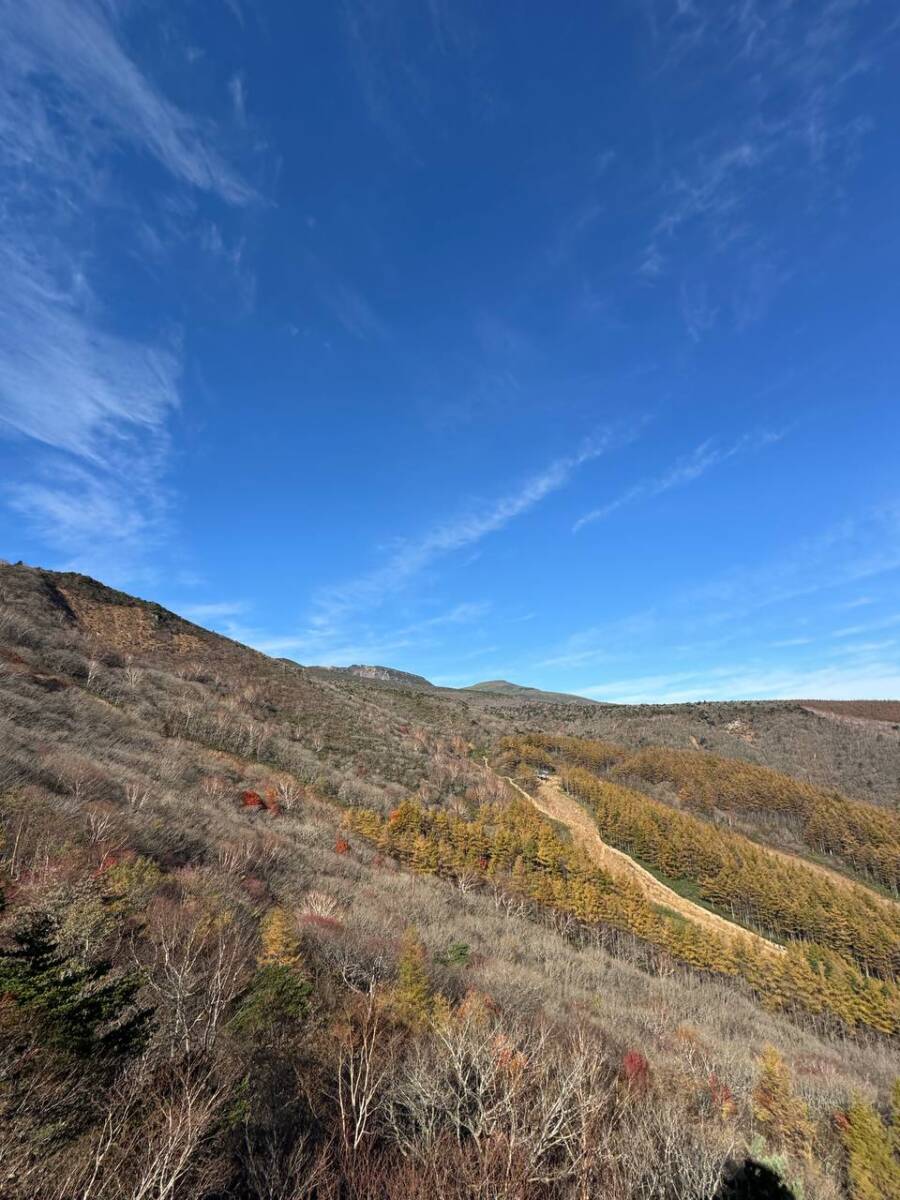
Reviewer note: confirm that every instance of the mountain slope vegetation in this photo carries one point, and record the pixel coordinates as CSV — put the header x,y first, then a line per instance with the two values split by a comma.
x,y
275,931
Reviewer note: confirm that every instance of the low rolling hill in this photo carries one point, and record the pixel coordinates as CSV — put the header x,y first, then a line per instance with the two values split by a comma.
x,y
501,687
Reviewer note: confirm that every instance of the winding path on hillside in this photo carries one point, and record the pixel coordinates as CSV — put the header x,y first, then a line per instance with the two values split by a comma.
x,y
552,802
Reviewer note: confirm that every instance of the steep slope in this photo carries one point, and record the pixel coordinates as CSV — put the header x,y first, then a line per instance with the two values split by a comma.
x,y
183,833
552,801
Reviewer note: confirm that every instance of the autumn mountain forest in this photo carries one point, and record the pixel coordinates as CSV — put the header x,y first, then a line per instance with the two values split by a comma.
x,y
280,932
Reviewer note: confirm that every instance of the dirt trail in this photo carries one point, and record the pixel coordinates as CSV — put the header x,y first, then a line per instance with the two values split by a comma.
x,y
554,803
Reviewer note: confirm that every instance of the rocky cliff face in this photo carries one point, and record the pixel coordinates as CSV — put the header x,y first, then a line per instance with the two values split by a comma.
x,y
387,675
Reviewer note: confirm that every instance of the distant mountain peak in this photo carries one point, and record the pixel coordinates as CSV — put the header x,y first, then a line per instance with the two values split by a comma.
x,y
502,687
385,674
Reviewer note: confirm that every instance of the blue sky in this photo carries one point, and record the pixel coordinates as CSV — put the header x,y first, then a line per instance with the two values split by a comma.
x,y
548,342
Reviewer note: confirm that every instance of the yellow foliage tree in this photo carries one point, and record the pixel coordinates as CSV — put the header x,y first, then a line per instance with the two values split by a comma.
x,y
782,1116
280,945
873,1169
413,997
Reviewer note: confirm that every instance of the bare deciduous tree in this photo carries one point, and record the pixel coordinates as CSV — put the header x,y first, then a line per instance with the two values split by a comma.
x,y
136,795
360,1072
289,792
279,1171
195,963
320,904
133,673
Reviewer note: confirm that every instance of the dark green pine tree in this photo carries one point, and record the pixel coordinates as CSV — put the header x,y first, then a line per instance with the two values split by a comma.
x,y
74,1009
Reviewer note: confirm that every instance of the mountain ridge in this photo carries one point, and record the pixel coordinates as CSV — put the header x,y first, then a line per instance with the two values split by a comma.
x,y
502,687
796,737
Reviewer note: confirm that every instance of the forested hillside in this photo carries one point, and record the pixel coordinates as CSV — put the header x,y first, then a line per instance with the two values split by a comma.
x,y
858,838
271,931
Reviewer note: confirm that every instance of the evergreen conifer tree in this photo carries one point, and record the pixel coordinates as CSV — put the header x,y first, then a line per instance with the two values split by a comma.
x,y
783,1117
413,994
74,1008
873,1169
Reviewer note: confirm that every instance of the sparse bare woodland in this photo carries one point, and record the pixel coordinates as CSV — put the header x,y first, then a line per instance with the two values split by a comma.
x,y
210,990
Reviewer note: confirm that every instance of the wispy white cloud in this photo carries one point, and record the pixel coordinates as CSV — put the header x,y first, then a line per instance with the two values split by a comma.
x,y
353,310
772,622
370,29
708,454
343,626
868,679
697,309
867,627
707,193
602,642
712,192
652,262
412,557
90,403
450,27
859,548
63,380
93,405
640,688
228,258
236,11
857,648
84,511
360,644
105,93
237,90
794,126
857,602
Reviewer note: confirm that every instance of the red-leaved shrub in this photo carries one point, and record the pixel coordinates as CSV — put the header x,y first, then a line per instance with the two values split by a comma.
x,y
635,1069
317,921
